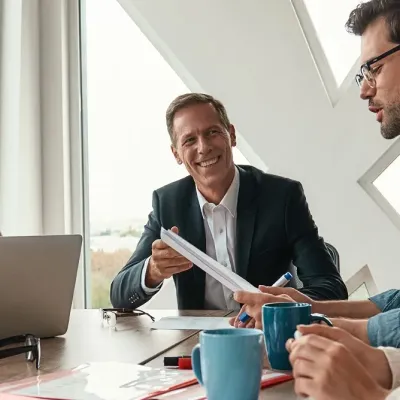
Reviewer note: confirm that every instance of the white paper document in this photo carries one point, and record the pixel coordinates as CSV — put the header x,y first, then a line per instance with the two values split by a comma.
x,y
195,323
228,278
102,381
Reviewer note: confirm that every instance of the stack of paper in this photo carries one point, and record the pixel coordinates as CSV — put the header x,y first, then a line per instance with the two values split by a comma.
x,y
224,275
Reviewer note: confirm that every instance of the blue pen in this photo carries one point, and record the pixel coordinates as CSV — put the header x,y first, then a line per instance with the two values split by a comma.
x,y
282,281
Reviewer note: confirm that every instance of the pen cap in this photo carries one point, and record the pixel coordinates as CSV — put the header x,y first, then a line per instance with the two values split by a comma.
x,y
288,276
185,363
174,361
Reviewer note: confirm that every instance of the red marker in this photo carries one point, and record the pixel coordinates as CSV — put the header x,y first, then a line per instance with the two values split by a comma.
x,y
182,362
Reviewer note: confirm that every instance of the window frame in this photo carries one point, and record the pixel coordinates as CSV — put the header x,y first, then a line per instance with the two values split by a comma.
x,y
333,91
368,179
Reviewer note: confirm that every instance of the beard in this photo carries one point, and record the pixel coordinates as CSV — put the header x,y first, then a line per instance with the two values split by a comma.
x,y
391,127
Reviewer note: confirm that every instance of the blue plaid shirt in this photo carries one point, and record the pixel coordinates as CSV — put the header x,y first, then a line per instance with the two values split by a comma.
x,y
384,328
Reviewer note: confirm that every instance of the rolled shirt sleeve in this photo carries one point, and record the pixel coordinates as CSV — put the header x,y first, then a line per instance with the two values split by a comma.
x,y
393,357
384,329
388,300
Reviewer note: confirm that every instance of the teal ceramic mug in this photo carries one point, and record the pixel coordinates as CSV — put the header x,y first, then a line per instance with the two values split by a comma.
x,y
228,363
280,322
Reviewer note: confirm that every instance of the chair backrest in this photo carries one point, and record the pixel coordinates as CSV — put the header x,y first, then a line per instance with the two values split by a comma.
x,y
336,260
334,254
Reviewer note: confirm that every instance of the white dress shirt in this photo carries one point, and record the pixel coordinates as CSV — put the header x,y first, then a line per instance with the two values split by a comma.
x,y
220,232
393,356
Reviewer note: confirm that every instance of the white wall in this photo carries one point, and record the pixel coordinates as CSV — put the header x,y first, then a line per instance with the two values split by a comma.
x,y
253,56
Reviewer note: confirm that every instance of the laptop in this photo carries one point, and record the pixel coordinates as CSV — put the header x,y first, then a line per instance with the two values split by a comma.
x,y
37,282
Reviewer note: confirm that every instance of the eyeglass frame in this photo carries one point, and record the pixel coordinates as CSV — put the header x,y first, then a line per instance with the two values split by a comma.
x,y
367,66
32,350
123,312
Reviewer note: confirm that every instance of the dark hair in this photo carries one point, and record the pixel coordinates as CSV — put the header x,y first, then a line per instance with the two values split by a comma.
x,y
366,13
189,99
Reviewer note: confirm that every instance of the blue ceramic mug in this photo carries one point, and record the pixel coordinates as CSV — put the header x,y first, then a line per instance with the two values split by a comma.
x,y
280,322
228,363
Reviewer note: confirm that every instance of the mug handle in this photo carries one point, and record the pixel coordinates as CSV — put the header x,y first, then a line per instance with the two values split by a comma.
x,y
320,318
196,365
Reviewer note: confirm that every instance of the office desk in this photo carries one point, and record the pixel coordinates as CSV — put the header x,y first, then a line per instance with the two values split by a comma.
x,y
278,392
87,339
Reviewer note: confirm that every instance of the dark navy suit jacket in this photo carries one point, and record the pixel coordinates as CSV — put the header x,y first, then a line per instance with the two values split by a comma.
x,y
274,231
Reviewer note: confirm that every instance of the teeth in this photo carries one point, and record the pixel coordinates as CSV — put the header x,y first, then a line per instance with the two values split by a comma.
x,y
209,162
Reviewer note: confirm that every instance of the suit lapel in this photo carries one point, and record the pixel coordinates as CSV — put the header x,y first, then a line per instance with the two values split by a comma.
x,y
246,215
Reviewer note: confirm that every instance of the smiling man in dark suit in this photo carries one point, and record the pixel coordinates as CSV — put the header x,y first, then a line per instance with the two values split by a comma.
x,y
254,223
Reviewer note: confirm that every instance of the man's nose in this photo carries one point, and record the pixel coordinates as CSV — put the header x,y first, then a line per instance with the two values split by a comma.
x,y
203,146
366,91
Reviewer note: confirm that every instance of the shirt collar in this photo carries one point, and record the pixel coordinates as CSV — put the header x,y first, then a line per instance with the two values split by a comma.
x,y
230,199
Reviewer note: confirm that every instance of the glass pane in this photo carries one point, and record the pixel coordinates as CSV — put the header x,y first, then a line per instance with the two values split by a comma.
x,y
341,49
129,86
388,183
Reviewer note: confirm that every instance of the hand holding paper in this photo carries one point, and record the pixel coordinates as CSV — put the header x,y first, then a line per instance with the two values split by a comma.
x,y
222,274
164,262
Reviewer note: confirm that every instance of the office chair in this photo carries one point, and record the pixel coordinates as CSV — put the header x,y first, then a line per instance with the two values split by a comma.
x,y
336,260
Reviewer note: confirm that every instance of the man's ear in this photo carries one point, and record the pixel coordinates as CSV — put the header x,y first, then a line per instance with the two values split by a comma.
x,y
232,134
176,155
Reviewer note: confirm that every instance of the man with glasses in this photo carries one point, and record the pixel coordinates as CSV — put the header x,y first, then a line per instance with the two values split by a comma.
x,y
340,371
329,363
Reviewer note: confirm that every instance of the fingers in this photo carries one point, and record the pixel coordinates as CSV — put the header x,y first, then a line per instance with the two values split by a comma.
x,y
244,297
289,344
305,350
255,320
303,368
169,271
175,229
312,340
328,332
158,245
249,323
304,387
273,290
166,253
170,262
237,321
322,330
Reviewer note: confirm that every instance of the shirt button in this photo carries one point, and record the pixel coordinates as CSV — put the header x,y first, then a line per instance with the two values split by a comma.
x,y
221,230
224,263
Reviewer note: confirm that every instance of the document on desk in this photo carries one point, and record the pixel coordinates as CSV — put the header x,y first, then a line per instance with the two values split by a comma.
x,y
228,278
195,323
101,381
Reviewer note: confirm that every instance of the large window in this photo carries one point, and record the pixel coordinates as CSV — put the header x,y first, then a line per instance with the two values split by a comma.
x,y
340,48
128,88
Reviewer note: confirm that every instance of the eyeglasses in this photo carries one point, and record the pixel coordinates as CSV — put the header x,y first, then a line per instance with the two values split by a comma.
x,y
110,315
31,347
369,73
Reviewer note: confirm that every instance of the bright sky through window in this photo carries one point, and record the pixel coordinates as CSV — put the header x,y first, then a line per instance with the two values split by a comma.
x,y
388,183
129,87
341,49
